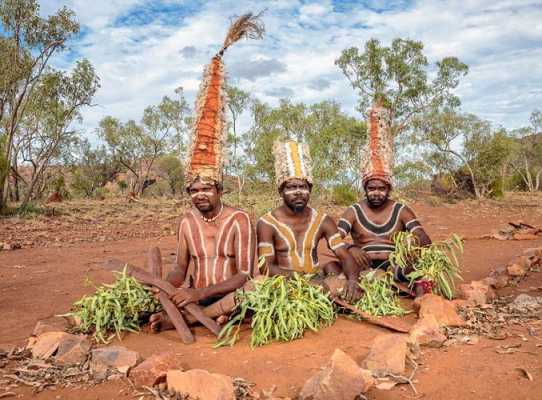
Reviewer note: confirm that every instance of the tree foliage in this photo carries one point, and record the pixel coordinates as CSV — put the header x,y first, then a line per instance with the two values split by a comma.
x,y
397,76
323,126
45,134
136,147
27,43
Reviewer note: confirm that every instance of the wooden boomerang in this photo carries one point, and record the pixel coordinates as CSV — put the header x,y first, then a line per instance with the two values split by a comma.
x,y
166,287
385,322
154,262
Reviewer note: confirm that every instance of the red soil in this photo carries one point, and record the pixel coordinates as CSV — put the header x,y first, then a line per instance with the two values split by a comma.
x,y
36,283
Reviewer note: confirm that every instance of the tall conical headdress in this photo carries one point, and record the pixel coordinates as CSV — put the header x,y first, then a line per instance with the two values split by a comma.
x,y
292,160
205,159
378,156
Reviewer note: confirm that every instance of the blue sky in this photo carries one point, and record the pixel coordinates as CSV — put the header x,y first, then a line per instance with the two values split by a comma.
x,y
142,49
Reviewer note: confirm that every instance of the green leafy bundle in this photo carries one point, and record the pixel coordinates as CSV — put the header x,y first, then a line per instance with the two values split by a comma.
x,y
379,298
114,308
437,262
282,309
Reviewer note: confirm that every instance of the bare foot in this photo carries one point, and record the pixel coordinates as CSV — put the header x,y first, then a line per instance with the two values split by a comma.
x,y
222,319
160,322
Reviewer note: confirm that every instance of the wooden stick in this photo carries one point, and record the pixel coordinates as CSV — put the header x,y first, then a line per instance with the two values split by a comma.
x,y
167,288
404,288
154,260
394,325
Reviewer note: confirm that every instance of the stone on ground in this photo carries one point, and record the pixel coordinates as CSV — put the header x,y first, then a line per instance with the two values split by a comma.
x,y
516,270
73,350
444,311
46,344
341,379
498,277
154,369
477,293
201,384
113,358
427,332
52,324
387,354
525,236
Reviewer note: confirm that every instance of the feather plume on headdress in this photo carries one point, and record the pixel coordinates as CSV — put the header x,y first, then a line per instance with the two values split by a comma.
x,y
292,160
205,159
377,161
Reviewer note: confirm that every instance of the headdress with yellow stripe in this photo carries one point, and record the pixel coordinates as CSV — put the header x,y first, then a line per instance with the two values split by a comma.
x,y
292,160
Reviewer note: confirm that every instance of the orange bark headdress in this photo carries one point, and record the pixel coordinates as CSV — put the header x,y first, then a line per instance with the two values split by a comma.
x,y
377,161
205,155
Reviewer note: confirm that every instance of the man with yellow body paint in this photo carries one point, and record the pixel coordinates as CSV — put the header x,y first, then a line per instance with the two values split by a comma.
x,y
288,236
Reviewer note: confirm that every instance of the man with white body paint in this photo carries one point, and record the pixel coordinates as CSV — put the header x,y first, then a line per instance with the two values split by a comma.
x,y
219,242
288,236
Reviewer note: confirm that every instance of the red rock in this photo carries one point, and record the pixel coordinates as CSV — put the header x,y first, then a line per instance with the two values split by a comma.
x,y
201,384
444,311
342,378
525,236
10,246
113,357
46,344
499,277
476,292
427,332
533,252
52,324
516,269
73,350
154,369
387,354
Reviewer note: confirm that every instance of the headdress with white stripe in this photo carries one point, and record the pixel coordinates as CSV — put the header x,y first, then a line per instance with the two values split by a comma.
x,y
292,160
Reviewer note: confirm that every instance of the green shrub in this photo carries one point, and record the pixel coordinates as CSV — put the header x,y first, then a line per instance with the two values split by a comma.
x,y
344,195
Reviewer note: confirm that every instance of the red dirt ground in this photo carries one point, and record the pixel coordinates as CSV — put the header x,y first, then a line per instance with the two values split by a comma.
x,y
47,276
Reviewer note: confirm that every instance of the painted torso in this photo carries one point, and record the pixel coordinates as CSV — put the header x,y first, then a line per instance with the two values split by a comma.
x,y
218,249
373,231
295,246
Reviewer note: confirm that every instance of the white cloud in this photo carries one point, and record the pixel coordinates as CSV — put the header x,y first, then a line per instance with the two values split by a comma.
x,y
138,64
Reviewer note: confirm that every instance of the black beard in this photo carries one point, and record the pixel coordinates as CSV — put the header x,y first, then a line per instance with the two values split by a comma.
x,y
296,208
376,202
204,208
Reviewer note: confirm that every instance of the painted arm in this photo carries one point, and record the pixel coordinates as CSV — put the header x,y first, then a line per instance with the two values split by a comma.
x,y
412,225
345,222
352,290
266,248
345,226
339,247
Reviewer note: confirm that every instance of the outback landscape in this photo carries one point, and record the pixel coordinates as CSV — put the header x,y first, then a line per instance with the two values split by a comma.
x,y
118,118
58,253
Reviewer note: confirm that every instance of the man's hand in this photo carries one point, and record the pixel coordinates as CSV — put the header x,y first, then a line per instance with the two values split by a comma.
x,y
155,292
360,256
351,292
184,296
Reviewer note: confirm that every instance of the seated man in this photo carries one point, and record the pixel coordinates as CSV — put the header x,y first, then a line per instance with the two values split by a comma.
x,y
216,240
288,236
373,221
219,241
